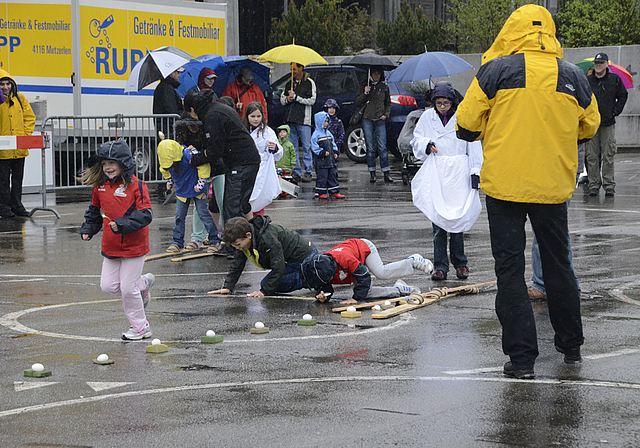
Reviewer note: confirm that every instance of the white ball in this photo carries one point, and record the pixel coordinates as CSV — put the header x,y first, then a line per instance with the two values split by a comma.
x,y
307,317
377,308
351,308
102,358
37,367
259,325
386,302
210,333
155,341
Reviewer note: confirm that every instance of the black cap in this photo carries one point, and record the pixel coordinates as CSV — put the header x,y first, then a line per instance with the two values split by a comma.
x,y
601,57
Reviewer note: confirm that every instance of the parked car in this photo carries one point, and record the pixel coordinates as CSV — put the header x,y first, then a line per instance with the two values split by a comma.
x,y
341,83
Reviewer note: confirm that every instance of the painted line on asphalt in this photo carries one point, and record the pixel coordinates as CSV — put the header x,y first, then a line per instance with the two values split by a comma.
x,y
10,321
95,399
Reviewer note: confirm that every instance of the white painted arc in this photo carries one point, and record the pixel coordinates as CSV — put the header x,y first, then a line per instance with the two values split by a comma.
x,y
99,386
19,386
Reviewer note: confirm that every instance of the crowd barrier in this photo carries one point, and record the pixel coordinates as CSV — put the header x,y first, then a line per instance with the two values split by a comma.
x,y
73,139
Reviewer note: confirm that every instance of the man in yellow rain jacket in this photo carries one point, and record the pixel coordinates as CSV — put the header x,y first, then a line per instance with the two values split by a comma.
x,y
16,118
531,109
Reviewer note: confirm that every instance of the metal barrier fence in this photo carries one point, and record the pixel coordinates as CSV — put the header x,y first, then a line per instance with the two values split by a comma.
x,y
75,138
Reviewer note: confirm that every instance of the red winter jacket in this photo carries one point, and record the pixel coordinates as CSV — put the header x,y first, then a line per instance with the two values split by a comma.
x,y
130,209
254,93
349,255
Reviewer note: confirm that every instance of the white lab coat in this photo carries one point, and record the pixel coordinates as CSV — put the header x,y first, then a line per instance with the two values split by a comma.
x,y
267,185
442,187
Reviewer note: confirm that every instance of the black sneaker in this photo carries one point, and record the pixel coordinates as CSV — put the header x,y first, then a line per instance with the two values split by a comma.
x,y
295,178
593,192
438,275
7,214
571,355
517,371
610,192
462,273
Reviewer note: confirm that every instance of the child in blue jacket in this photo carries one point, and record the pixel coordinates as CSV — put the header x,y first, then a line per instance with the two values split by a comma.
x,y
190,184
326,155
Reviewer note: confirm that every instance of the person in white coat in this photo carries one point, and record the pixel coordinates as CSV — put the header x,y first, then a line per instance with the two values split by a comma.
x,y
445,188
267,186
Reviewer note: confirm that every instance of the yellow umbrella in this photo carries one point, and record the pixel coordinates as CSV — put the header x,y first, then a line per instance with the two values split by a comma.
x,y
293,53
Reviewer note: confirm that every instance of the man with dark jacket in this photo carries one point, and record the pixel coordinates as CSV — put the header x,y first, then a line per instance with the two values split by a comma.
x,y
268,246
299,100
167,101
374,95
612,96
226,138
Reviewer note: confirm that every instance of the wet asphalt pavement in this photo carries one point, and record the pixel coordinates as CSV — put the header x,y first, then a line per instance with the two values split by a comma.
x,y
429,377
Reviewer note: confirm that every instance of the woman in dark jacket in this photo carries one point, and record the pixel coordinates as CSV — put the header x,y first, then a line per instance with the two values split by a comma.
x,y
375,94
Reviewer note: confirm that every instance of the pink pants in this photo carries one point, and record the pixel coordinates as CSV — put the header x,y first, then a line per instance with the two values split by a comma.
x,y
121,277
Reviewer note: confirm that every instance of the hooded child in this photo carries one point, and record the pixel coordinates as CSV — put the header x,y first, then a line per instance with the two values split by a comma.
x,y
326,155
126,215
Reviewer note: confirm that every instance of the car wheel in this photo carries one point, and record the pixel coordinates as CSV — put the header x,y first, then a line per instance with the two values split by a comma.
x,y
142,160
356,147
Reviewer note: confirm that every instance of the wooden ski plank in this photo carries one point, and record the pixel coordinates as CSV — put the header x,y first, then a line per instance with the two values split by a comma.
x,y
172,254
369,304
397,299
395,311
193,257
162,255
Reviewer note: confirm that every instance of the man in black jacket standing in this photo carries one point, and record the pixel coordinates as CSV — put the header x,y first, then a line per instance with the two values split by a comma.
x,y
226,137
167,101
612,96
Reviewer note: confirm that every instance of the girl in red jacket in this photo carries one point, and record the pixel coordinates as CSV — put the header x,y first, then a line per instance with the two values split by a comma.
x,y
126,214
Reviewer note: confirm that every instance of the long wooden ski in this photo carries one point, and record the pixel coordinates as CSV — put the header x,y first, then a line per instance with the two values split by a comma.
x,y
368,304
171,254
199,255
428,298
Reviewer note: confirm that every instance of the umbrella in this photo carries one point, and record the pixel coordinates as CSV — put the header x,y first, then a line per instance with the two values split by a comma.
x,y
429,65
293,53
627,80
156,65
231,69
189,77
367,60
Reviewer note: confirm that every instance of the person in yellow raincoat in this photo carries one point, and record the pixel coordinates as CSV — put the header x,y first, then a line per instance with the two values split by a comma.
x,y
531,109
16,118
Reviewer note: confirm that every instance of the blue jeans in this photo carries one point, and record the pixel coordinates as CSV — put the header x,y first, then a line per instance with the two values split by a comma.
x,y
536,263
379,128
456,249
292,277
302,132
201,208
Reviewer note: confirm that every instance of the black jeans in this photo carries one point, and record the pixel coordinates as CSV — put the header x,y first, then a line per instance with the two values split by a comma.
x,y
549,221
456,249
11,175
238,186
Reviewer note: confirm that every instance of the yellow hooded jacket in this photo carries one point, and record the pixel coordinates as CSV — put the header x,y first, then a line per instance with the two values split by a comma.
x,y
532,109
170,151
16,119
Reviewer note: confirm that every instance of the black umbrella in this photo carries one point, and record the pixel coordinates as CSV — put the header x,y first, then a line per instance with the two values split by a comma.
x,y
368,60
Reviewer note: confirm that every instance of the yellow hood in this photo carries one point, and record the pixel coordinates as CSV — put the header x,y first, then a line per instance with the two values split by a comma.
x,y
169,151
529,28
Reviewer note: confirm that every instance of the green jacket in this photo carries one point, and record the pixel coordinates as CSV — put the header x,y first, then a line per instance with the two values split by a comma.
x,y
275,246
288,160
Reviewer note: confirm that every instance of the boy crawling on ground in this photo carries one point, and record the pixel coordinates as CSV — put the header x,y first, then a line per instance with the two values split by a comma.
x,y
353,261
268,246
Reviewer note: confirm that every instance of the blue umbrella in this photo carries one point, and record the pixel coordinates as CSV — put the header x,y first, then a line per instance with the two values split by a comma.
x,y
189,77
231,69
429,65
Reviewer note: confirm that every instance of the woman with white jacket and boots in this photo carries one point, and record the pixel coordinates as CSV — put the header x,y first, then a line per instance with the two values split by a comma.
x,y
445,188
